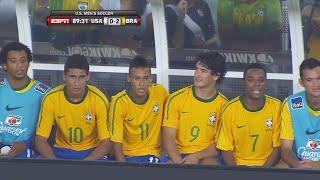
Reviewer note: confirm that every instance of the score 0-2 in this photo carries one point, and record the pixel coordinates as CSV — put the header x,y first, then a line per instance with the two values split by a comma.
x,y
112,21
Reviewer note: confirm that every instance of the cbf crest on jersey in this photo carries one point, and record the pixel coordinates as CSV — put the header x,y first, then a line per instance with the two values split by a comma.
x,y
212,119
260,12
88,117
156,108
296,103
83,5
269,124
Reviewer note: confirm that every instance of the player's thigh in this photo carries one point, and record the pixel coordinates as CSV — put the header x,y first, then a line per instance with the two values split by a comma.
x,y
209,161
281,164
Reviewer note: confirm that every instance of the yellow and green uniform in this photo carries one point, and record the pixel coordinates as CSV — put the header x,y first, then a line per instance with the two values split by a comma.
x,y
286,121
74,4
252,21
195,119
80,126
138,125
251,135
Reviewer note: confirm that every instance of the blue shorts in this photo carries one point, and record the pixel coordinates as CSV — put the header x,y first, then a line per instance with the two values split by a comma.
x,y
220,159
63,153
143,159
165,159
28,153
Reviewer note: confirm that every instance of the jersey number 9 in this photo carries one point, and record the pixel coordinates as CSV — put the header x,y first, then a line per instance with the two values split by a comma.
x,y
194,132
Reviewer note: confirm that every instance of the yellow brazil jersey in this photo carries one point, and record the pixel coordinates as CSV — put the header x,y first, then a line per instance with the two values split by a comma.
x,y
74,4
195,119
251,135
81,125
286,121
138,126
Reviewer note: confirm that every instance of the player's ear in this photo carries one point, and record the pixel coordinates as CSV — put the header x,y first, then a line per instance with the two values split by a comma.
x,y
128,78
4,66
64,76
88,77
216,76
301,82
151,79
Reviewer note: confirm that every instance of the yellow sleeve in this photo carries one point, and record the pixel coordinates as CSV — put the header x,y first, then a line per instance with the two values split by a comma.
x,y
286,123
171,112
225,137
219,123
277,127
116,116
46,117
102,106
164,91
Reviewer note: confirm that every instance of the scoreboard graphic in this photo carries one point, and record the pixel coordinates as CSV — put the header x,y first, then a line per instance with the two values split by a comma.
x,y
107,18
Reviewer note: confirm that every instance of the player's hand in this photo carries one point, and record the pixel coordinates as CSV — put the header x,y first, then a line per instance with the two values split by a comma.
x,y
198,41
310,164
191,159
306,164
183,6
17,148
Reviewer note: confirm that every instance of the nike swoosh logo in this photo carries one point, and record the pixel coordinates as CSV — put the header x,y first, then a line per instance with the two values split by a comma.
x,y
183,112
59,117
12,108
311,132
130,119
240,126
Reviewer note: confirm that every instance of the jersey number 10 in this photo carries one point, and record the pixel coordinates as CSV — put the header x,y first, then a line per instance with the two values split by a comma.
x,y
75,135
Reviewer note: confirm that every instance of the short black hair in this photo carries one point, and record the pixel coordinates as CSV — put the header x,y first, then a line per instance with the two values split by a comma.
x,y
309,63
14,46
76,61
215,62
254,66
139,62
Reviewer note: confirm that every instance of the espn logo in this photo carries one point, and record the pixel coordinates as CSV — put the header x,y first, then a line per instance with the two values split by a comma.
x,y
58,20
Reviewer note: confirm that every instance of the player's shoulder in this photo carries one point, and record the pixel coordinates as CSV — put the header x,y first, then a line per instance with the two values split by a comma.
x,y
273,102
97,92
297,97
222,96
94,89
232,103
181,92
157,88
120,95
273,99
40,87
285,100
54,91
